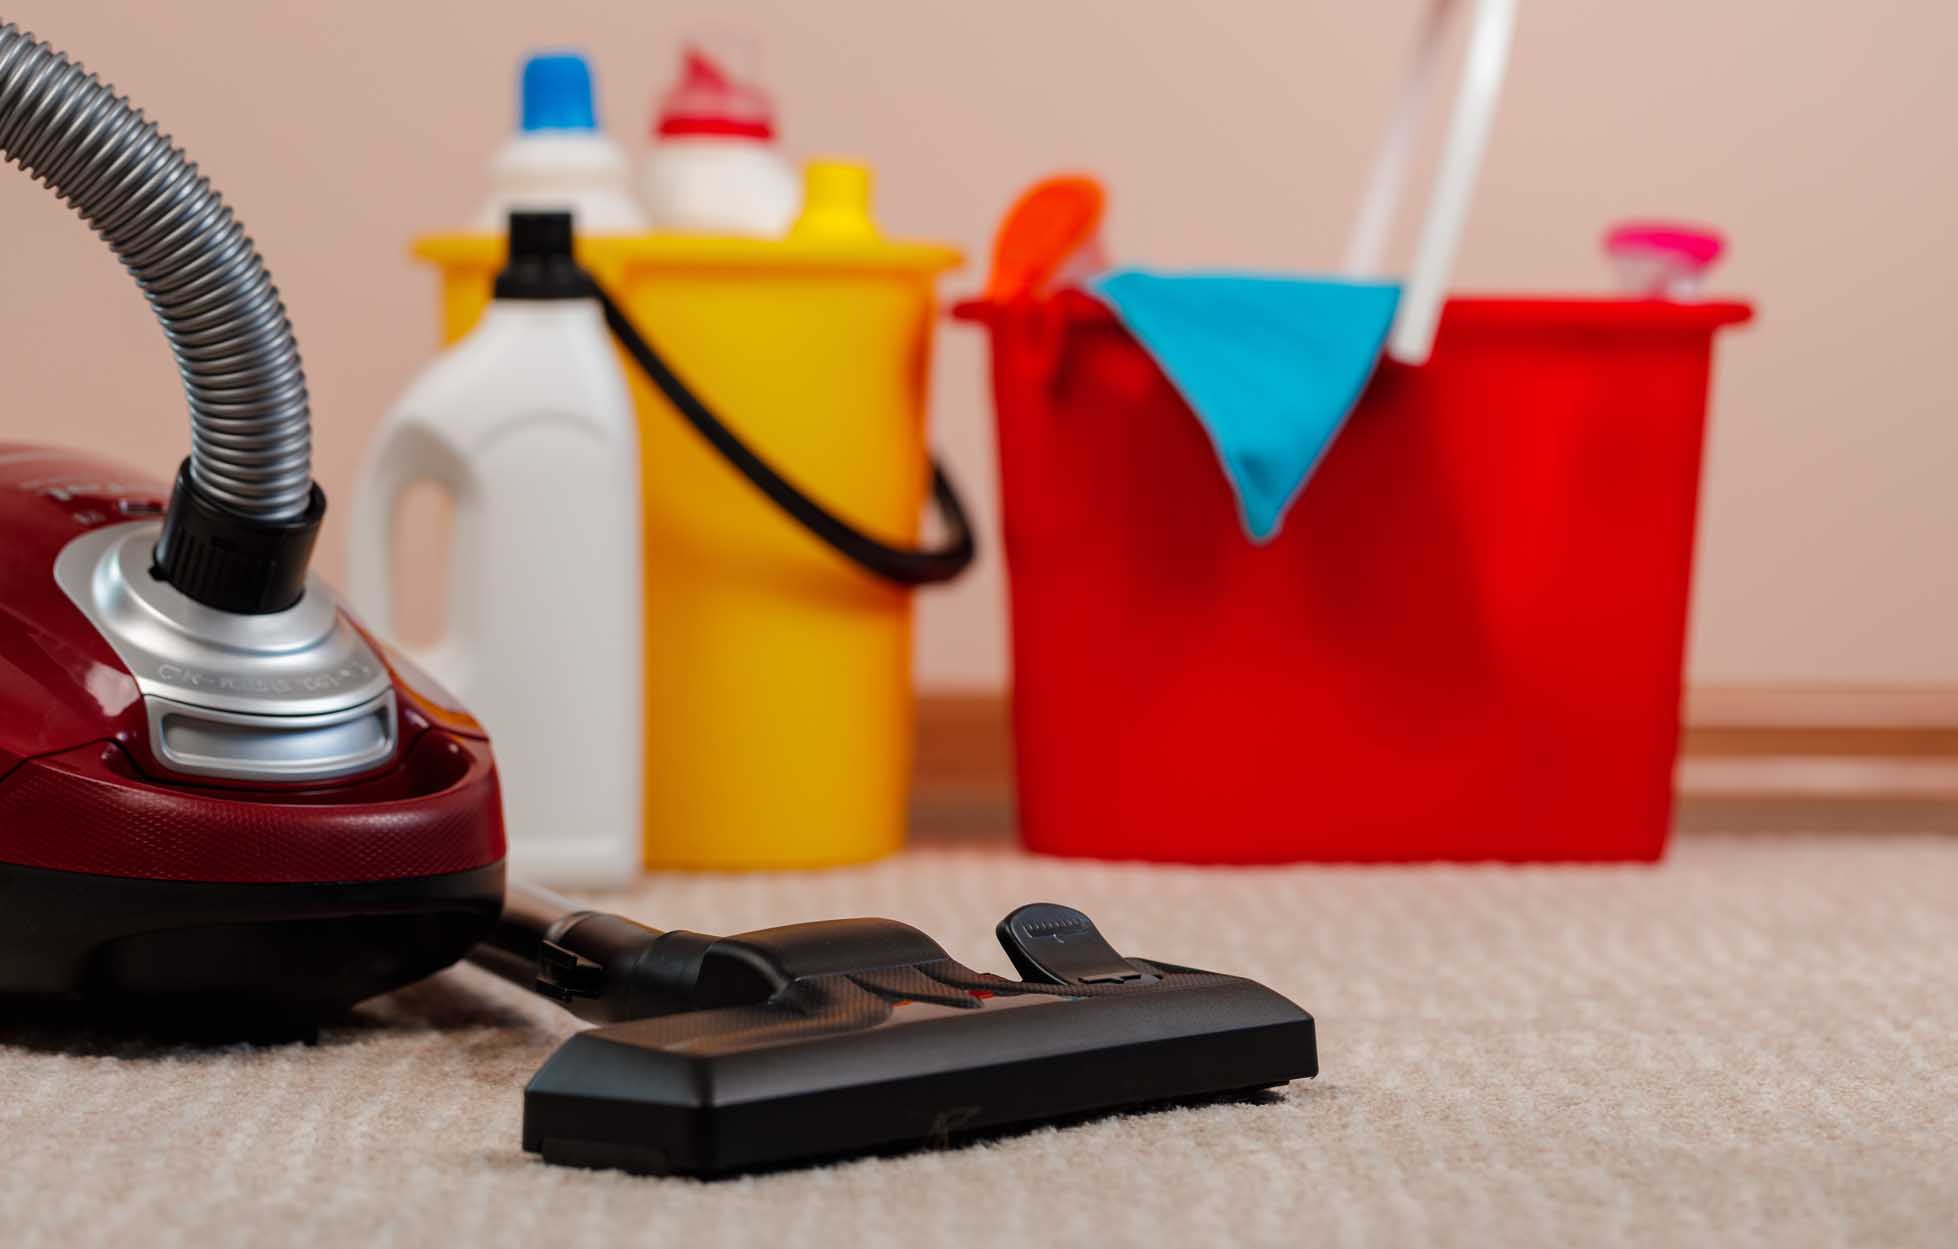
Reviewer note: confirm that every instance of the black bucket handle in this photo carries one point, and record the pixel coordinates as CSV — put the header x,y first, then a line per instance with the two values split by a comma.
x,y
904,566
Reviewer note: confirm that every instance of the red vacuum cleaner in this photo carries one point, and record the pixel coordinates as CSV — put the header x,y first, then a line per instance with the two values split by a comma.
x,y
216,791
245,813
223,803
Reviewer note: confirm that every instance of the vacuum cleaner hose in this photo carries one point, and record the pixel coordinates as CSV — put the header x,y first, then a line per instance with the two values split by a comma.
x,y
251,434
250,465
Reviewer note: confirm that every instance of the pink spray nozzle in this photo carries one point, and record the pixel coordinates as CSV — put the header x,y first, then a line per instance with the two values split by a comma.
x,y
707,100
1695,245
1661,259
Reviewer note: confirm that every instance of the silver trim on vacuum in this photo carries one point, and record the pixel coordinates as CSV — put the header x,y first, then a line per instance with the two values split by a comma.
x,y
287,696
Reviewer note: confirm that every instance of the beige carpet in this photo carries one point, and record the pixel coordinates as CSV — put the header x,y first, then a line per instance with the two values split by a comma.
x,y
1756,1044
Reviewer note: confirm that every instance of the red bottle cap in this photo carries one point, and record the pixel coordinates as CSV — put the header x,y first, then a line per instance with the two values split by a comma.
x,y
709,101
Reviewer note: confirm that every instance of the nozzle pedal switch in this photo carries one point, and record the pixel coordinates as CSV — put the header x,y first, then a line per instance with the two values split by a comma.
x,y
1057,944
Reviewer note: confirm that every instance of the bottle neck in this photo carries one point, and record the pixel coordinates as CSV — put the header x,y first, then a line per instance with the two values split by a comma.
x,y
546,278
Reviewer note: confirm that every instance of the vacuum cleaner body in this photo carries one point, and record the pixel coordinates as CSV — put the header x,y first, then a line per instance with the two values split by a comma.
x,y
221,812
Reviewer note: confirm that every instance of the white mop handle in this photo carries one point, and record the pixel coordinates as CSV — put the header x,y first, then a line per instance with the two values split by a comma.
x,y
1461,160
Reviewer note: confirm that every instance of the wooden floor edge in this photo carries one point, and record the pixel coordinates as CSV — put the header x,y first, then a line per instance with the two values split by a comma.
x,y
1822,707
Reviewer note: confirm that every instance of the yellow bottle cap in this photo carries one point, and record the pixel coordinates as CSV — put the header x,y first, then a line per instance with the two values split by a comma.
x,y
835,203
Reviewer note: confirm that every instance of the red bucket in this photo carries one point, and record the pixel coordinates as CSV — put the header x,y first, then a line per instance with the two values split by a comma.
x,y
1465,644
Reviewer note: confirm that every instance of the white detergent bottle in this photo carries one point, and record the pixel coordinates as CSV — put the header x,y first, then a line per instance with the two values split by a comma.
x,y
714,167
559,160
528,425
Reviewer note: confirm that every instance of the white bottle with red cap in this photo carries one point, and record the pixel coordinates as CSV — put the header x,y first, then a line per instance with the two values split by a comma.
x,y
714,167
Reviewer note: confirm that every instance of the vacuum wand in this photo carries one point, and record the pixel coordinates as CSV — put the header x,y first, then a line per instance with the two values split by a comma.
x,y
600,967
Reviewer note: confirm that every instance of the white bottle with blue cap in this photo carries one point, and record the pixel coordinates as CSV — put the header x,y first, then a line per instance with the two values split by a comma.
x,y
559,160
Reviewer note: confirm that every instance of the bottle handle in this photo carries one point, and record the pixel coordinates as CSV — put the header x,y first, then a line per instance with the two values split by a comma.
x,y
403,457
905,566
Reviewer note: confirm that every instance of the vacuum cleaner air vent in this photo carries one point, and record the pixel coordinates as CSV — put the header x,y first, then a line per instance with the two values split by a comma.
x,y
200,742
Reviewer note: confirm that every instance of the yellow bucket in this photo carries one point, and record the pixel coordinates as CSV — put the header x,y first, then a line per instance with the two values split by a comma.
x,y
778,674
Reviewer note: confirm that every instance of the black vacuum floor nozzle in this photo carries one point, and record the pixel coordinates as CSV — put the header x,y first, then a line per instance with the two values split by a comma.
x,y
815,1041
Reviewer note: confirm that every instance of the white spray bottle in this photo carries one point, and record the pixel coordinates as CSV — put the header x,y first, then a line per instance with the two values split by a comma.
x,y
714,167
528,424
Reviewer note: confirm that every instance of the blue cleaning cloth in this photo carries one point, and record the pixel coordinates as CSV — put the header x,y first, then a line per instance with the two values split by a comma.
x,y
1270,365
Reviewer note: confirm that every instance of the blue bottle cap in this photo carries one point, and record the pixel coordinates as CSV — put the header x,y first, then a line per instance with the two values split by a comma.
x,y
557,93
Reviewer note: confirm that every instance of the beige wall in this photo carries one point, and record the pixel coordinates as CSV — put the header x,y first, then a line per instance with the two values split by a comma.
x,y
1820,135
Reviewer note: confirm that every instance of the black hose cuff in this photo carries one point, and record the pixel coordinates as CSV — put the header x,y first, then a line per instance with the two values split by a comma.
x,y
232,562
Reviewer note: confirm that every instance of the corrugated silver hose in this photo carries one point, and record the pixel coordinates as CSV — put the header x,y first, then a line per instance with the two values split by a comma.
x,y
251,433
